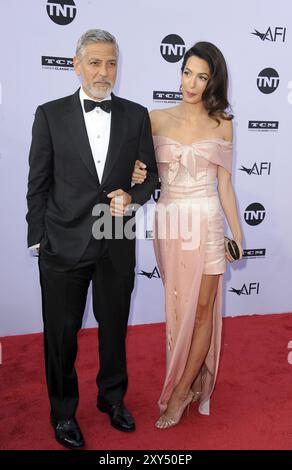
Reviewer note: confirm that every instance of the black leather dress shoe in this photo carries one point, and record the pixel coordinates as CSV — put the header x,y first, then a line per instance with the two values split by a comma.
x,y
68,433
120,417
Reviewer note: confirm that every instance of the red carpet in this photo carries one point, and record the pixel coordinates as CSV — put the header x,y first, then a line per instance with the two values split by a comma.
x,y
251,407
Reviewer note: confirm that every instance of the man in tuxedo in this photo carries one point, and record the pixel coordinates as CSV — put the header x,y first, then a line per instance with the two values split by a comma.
x,y
83,152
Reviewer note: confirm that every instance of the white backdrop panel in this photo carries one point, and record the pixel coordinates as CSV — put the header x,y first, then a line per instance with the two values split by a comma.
x,y
259,284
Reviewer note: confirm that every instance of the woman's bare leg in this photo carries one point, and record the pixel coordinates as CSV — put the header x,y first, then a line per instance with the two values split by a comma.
x,y
200,342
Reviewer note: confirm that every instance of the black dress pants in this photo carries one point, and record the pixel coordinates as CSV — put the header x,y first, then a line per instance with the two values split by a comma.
x,y
63,300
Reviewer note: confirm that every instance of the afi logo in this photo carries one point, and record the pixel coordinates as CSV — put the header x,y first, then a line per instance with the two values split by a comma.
x,y
172,48
62,12
257,169
254,214
272,34
268,80
247,289
154,273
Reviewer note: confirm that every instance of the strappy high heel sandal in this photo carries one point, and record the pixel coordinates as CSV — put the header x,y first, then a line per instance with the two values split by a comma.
x,y
197,396
166,421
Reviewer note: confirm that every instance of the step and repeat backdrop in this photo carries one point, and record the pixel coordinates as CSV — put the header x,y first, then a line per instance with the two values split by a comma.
x,y
37,43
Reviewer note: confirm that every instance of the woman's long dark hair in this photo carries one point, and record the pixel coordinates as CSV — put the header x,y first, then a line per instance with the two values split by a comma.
x,y
215,95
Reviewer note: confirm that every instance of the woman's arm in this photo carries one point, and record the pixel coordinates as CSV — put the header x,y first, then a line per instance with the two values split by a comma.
x,y
228,203
226,191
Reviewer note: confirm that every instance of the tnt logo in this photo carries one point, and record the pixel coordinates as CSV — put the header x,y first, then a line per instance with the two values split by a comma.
x,y
254,214
172,48
268,80
61,12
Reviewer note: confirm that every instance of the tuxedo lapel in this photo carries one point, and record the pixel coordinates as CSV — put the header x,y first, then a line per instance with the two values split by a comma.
x,y
75,122
118,132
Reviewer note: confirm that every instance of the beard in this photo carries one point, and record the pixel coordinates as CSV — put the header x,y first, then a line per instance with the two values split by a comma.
x,y
99,89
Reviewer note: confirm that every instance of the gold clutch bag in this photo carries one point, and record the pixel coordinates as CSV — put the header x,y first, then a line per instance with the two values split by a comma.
x,y
232,248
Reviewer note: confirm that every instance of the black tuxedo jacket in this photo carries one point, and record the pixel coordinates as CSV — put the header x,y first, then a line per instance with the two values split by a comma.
x,y
63,185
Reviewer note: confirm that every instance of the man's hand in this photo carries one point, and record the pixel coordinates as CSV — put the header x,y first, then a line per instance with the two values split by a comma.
x,y
119,202
139,173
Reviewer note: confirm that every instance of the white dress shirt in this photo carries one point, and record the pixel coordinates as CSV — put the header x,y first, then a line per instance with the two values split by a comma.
x,y
98,125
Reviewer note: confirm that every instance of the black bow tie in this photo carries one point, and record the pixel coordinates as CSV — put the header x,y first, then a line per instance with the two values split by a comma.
x,y
89,105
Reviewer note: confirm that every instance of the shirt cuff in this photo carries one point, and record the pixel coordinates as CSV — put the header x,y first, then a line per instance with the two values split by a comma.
x,y
34,247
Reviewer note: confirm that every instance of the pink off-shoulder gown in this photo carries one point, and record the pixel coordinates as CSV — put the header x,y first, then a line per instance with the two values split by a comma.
x,y
188,176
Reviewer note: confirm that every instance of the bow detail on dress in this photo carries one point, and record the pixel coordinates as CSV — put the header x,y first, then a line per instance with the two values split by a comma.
x,y
182,155
216,151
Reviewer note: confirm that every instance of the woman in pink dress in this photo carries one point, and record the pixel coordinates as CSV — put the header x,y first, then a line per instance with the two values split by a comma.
x,y
193,144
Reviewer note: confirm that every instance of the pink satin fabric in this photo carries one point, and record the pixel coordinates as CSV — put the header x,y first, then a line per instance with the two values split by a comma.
x,y
188,176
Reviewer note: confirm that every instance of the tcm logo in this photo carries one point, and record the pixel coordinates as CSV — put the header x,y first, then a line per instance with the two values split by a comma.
x,y
156,194
272,34
268,80
167,96
263,126
254,253
61,12
58,63
154,273
254,214
172,48
149,235
252,288
258,169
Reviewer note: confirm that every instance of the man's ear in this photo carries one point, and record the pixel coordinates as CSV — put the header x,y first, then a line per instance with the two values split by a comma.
x,y
76,63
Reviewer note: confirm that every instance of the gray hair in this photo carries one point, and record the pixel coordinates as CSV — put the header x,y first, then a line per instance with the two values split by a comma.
x,y
95,35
